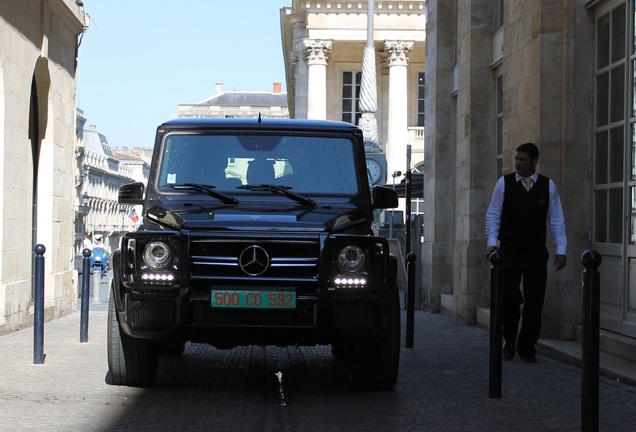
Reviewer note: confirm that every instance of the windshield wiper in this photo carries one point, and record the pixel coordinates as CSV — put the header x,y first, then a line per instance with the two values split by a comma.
x,y
284,190
209,189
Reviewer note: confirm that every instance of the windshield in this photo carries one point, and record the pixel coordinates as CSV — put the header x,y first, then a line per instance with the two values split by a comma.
x,y
306,165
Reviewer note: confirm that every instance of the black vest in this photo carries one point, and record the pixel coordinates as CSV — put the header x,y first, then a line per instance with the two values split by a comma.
x,y
524,214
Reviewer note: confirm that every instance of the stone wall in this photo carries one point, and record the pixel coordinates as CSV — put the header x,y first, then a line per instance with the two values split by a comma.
x,y
546,81
38,45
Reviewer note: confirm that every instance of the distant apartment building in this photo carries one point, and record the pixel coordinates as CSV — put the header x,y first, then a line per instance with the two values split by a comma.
x,y
237,103
101,171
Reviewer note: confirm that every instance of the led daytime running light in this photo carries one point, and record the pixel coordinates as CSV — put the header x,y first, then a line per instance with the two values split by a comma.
x,y
341,281
163,277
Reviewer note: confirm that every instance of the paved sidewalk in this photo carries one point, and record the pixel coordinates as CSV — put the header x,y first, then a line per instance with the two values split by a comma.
x,y
570,352
443,386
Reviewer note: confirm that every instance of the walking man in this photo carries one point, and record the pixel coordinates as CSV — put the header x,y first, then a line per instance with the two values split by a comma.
x,y
524,204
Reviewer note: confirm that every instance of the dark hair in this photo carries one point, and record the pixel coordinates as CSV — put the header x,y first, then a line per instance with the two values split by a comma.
x,y
529,148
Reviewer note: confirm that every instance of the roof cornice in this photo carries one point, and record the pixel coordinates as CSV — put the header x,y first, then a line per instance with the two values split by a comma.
x,y
71,12
380,7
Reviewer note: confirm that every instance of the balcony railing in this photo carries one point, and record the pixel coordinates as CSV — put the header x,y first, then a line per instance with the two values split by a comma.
x,y
416,136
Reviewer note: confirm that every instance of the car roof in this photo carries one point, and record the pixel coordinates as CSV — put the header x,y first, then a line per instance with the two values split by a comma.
x,y
265,124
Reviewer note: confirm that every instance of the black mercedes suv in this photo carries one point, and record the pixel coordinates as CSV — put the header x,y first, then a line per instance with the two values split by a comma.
x,y
255,232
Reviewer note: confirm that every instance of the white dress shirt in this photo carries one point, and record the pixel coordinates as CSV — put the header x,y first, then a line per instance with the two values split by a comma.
x,y
556,221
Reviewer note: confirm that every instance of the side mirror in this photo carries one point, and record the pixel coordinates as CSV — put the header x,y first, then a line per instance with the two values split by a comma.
x,y
384,197
131,194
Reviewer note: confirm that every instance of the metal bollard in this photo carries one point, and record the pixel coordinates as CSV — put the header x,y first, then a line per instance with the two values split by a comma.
x,y
38,305
86,280
97,285
591,259
410,300
496,319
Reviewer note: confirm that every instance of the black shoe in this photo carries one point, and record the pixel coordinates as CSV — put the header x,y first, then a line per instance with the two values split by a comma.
x,y
531,358
509,350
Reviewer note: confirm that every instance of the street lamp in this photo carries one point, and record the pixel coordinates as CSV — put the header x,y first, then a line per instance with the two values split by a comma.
x,y
122,212
83,207
394,175
80,220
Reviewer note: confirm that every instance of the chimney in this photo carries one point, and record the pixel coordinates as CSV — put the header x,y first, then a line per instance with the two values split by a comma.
x,y
219,88
92,127
277,88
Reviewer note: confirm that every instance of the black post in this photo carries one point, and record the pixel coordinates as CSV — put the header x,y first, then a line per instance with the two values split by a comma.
x,y
496,318
407,196
38,305
591,259
86,280
410,299
410,257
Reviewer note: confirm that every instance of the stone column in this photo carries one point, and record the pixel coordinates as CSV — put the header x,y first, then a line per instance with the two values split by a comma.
x,y
439,163
398,136
317,52
293,83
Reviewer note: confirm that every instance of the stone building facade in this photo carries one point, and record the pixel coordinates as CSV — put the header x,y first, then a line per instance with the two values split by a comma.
x,y
323,47
101,171
560,74
38,63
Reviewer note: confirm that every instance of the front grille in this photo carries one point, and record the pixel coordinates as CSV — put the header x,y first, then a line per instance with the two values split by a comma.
x,y
290,260
151,314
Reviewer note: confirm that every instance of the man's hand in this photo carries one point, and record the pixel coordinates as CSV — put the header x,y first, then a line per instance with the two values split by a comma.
x,y
559,262
489,251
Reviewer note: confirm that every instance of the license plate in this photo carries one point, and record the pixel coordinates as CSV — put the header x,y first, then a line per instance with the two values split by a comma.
x,y
248,299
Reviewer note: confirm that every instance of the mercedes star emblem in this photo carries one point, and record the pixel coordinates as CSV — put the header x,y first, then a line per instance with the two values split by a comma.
x,y
254,260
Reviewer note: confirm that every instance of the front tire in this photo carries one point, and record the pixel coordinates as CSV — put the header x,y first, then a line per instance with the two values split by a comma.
x,y
132,362
374,365
116,358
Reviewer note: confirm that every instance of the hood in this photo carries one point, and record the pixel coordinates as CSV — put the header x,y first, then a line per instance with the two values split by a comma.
x,y
258,218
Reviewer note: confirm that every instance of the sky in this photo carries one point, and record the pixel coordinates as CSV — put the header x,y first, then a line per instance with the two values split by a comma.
x,y
140,59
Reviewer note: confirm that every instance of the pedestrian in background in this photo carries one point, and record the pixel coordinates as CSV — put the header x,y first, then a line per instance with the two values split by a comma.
x,y
524,203
87,243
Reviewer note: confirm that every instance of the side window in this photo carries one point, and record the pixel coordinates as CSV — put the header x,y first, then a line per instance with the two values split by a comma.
x,y
499,124
610,127
421,98
500,14
351,96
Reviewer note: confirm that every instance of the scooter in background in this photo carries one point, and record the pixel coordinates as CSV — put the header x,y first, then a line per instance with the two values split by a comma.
x,y
99,260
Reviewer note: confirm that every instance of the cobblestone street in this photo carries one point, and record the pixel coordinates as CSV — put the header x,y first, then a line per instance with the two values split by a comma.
x,y
443,386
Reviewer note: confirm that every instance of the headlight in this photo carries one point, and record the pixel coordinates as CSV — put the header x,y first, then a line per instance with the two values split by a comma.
x,y
157,255
351,259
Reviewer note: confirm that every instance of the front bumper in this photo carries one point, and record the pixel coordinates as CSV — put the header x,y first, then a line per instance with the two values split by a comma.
x,y
322,314
187,317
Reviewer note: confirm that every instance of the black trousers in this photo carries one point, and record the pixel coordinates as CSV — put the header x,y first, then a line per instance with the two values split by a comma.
x,y
525,268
